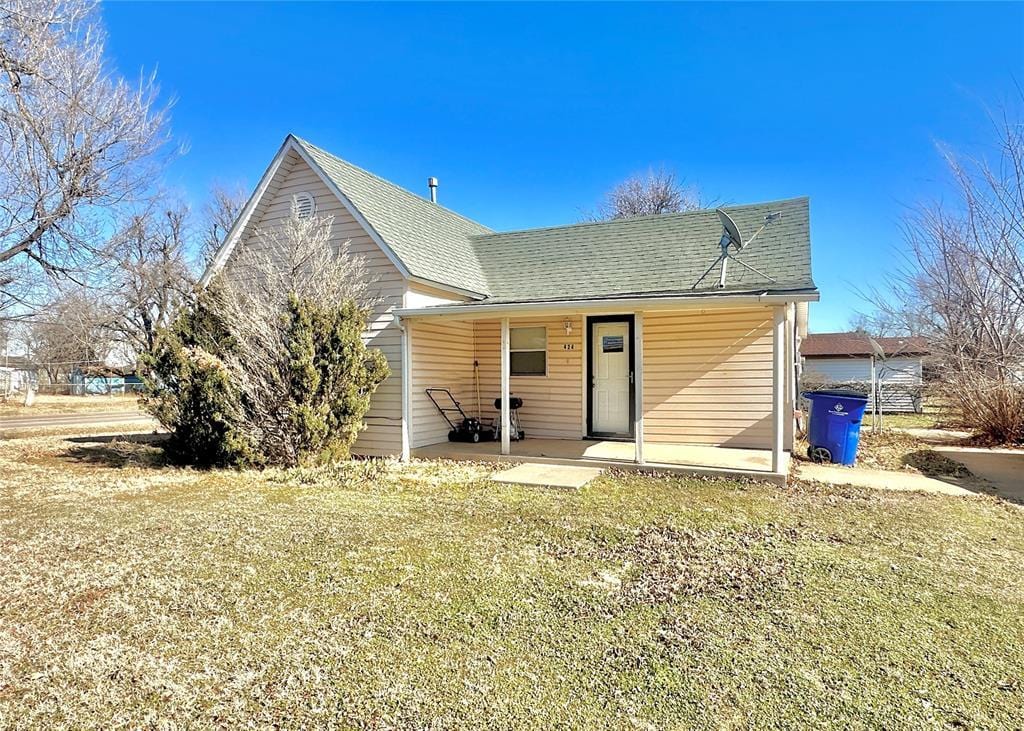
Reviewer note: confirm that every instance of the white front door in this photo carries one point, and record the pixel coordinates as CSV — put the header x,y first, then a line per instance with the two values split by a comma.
x,y
609,348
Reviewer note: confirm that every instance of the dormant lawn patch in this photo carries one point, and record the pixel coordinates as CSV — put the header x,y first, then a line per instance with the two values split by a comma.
x,y
379,595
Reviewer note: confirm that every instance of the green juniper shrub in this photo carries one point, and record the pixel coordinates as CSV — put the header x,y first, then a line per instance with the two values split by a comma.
x,y
307,407
189,389
332,377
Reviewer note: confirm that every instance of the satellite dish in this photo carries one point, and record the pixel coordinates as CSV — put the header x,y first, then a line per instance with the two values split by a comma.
x,y
877,348
730,229
731,236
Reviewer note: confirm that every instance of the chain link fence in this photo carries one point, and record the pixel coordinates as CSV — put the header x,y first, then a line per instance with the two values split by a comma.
x,y
18,380
894,397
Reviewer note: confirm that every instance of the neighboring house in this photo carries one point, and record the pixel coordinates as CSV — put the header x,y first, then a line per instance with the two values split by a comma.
x,y
97,380
16,374
598,327
845,358
133,382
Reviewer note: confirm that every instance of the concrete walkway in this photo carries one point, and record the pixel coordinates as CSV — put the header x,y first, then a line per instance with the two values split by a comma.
x,y
1004,468
547,475
884,479
936,436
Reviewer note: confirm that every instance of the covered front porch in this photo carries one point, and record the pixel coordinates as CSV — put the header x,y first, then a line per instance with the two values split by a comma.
x,y
693,387
683,458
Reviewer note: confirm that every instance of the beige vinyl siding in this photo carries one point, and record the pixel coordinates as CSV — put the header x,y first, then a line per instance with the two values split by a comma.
x,y
442,357
552,404
383,433
423,295
708,377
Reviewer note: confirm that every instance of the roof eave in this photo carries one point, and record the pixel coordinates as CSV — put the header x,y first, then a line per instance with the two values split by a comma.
x,y
477,310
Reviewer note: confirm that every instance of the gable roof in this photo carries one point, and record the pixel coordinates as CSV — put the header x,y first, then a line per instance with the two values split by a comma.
x,y
659,255
432,242
857,345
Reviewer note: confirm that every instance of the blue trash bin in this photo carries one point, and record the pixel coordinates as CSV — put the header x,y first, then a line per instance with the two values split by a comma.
x,y
834,431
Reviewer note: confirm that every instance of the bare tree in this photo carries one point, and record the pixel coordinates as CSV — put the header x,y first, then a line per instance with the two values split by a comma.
x,y
151,277
219,215
963,286
7,336
75,138
23,288
645,194
871,324
72,331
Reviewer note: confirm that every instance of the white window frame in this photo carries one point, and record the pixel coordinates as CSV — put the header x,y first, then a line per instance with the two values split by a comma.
x,y
543,350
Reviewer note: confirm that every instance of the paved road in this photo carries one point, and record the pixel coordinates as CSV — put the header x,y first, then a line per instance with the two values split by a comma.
x,y
51,420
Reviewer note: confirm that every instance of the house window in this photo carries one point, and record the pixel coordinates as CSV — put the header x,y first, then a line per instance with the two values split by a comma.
x,y
528,350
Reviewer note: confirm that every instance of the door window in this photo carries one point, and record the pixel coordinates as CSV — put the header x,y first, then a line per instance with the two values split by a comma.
x,y
611,344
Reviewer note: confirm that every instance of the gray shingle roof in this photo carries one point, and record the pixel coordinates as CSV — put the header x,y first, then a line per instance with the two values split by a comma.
x,y
663,254
857,344
432,241
648,255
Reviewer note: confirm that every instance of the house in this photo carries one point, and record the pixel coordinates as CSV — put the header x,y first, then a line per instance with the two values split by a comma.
x,y
96,380
17,373
846,358
133,382
619,350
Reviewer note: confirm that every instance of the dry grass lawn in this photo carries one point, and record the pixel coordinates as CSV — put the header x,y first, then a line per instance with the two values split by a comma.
x,y
926,420
380,596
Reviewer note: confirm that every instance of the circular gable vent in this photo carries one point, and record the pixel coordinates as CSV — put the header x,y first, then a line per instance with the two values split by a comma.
x,y
304,204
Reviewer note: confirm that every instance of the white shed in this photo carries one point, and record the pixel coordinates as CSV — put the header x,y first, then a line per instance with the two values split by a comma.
x,y
845,358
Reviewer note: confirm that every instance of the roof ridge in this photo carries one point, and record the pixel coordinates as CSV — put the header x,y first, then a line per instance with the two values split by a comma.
x,y
650,216
395,186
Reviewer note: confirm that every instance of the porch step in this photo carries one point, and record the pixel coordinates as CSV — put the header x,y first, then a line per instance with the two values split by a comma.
x,y
547,475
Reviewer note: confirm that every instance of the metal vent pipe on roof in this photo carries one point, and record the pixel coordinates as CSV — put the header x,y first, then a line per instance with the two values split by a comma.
x,y
432,184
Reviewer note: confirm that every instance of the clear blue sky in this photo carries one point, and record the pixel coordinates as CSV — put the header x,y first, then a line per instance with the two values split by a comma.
x,y
527,113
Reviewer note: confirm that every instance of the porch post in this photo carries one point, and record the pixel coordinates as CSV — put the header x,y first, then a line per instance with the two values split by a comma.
x,y
638,385
506,437
404,327
778,385
791,384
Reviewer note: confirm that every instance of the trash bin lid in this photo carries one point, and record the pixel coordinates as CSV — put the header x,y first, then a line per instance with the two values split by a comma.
x,y
837,393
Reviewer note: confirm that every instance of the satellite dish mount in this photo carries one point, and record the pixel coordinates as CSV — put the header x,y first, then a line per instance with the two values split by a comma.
x,y
732,239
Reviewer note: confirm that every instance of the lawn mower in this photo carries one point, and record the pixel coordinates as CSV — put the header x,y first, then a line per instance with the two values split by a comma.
x,y
462,428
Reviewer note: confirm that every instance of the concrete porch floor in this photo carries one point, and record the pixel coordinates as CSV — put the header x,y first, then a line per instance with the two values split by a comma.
x,y
681,458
